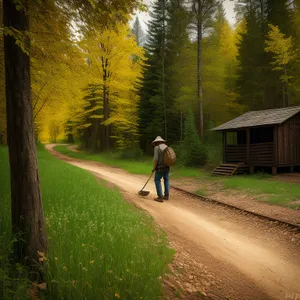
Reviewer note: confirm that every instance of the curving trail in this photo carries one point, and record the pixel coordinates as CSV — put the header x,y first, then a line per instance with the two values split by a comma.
x,y
224,253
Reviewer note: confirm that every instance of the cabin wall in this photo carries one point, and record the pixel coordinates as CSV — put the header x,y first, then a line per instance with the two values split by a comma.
x,y
289,142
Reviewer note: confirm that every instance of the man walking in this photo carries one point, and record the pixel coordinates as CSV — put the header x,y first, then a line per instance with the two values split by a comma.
x,y
161,171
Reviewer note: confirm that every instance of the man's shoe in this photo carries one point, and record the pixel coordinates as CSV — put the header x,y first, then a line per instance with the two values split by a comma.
x,y
159,199
166,197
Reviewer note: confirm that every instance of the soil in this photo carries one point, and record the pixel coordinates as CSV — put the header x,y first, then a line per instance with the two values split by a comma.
x,y
73,148
220,253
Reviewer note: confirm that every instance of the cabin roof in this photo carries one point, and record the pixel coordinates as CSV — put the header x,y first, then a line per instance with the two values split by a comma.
x,y
260,118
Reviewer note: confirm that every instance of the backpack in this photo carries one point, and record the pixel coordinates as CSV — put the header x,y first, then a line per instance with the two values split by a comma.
x,y
169,157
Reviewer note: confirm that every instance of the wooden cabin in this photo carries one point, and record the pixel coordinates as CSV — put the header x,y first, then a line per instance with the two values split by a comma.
x,y
265,138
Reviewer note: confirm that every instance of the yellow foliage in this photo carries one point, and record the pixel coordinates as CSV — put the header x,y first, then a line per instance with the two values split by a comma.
x,y
110,61
282,48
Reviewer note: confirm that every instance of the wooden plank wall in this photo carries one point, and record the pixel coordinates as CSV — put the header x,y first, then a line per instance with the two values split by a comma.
x,y
262,154
289,142
236,153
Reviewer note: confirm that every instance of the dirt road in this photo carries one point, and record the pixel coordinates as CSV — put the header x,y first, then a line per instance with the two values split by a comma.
x,y
221,253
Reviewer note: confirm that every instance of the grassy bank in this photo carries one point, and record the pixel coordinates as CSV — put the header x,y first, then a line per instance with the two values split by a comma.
x,y
274,192
99,245
132,166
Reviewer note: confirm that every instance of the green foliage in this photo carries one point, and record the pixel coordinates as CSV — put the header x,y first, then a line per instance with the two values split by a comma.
x,y
2,86
133,153
109,108
250,82
13,277
260,83
283,51
153,101
98,243
214,155
193,152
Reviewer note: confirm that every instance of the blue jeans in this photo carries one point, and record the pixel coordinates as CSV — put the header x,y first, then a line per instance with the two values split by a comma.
x,y
157,178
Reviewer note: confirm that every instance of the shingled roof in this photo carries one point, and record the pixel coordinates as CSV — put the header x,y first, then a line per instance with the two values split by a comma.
x,y
260,118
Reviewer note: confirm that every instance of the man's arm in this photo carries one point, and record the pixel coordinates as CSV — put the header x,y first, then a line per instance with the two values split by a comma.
x,y
155,158
154,166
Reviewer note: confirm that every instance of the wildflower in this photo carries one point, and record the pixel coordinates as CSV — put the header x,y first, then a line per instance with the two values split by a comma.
x,y
117,295
42,286
92,261
55,258
110,271
65,268
84,269
83,245
41,259
41,254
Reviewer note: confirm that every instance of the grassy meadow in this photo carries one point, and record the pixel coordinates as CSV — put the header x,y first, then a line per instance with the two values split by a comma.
x,y
143,166
99,245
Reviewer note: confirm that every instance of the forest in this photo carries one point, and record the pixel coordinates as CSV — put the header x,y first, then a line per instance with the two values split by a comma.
x,y
116,87
73,224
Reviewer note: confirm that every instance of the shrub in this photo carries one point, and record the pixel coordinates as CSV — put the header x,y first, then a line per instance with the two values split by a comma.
x,y
193,152
132,153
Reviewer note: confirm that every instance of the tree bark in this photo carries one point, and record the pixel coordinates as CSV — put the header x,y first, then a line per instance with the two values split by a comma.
x,y
199,68
26,201
163,71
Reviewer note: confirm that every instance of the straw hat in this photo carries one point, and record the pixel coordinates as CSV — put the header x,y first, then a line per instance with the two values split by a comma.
x,y
158,139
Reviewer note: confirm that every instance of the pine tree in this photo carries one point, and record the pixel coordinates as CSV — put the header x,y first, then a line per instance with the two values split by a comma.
x,y
194,154
284,55
202,12
296,70
250,82
153,106
259,84
2,85
178,66
277,14
138,31
219,69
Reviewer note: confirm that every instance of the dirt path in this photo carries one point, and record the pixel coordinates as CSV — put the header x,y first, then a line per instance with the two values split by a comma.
x,y
220,253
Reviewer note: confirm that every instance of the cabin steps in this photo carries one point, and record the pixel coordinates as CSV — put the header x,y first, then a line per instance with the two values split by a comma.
x,y
231,169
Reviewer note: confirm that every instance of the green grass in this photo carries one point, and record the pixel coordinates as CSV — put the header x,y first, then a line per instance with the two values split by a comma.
x,y
201,193
13,278
99,245
274,192
132,166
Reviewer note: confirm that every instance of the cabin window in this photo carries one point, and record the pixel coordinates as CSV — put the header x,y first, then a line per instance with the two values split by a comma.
x,y
236,137
261,135
242,137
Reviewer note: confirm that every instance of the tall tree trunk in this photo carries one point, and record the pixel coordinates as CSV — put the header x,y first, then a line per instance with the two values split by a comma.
x,y
105,129
199,68
181,125
105,110
26,201
163,70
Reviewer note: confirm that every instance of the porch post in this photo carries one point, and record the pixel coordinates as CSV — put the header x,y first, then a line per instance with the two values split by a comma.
x,y
224,146
248,146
